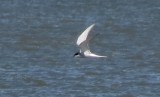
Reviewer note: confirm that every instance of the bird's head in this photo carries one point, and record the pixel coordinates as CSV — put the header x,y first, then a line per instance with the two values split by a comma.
x,y
77,54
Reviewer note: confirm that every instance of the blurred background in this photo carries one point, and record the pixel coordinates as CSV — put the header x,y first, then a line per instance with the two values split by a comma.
x,y
38,40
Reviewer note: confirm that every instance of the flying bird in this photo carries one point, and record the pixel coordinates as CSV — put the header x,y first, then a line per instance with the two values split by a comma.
x,y
83,44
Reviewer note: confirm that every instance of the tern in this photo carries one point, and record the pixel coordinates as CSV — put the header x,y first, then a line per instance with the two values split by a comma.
x,y
83,44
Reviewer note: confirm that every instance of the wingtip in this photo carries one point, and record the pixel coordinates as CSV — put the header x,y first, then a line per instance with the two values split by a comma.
x,y
103,56
93,24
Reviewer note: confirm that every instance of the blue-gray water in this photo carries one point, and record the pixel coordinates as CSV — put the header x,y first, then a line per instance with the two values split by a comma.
x,y
37,43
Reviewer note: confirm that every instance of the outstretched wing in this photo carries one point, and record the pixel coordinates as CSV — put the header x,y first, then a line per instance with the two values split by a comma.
x,y
89,54
83,39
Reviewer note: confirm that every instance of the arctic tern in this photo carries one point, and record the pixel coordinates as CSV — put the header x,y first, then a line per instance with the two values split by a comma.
x,y
83,44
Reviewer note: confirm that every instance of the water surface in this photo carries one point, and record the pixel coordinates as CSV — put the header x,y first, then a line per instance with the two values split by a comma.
x,y
37,43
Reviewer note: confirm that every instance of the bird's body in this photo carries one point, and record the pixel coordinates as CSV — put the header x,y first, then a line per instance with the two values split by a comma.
x,y
83,43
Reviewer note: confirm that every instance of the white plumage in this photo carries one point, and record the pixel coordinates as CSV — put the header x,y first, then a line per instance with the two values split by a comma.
x,y
83,44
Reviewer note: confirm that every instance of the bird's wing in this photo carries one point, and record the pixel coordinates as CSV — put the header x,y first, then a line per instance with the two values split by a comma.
x,y
84,35
89,54
83,40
